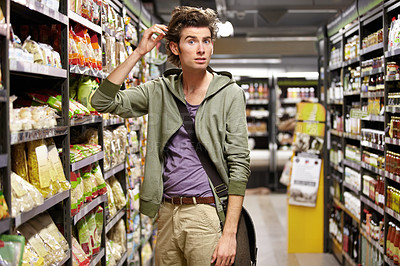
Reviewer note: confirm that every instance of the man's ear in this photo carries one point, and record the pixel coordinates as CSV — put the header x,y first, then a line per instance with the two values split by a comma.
x,y
173,46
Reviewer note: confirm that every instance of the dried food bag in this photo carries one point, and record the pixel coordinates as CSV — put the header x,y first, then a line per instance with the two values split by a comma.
x,y
51,228
88,186
84,236
30,257
92,136
57,165
118,234
73,53
118,193
101,184
81,107
91,221
85,89
40,228
40,247
94,40
33,48
18,160
3,207
75,192
116,250
110,260
111,203
38,168
11,249
99,227
20,197
79,258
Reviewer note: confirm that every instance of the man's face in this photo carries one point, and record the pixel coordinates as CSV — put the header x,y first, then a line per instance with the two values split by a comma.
x,y
195,48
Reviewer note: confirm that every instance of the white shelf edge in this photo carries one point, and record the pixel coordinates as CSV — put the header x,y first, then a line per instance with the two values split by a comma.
x,y
123,259
88,207
114,170
89,160
30,135
33,68
115,219
45,10
84,22
97,257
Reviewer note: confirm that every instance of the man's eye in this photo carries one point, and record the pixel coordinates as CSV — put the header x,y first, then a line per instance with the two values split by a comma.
x,y
207,41
191,42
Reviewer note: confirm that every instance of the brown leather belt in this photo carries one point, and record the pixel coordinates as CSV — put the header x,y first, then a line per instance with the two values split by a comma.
x,y
189,200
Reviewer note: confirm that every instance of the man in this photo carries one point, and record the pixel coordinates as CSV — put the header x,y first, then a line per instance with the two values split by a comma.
x,y
175,184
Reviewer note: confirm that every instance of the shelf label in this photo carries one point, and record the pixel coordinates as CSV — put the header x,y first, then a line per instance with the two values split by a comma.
x,y
357,113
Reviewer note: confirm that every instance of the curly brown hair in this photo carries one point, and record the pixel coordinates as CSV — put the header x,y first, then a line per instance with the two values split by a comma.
x,y
186,16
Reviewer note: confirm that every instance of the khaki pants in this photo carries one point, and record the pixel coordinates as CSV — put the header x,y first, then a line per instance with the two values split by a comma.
x,y
187,235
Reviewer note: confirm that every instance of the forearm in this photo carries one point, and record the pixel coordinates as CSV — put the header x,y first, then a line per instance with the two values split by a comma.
x,y
235,203
121,72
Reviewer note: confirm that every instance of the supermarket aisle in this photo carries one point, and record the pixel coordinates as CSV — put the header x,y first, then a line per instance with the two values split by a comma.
x,y
269,214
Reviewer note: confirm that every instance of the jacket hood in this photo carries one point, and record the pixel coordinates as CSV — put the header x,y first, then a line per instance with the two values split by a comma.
x,y
173,77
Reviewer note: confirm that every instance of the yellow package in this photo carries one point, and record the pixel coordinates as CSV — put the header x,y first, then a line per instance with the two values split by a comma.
x,y
46,220
38,170
31,258
18,161
56,164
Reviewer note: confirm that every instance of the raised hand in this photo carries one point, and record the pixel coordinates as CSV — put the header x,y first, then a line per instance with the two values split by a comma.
x,y
151,37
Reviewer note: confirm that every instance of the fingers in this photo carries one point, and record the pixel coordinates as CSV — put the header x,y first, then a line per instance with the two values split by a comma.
x,y
157,31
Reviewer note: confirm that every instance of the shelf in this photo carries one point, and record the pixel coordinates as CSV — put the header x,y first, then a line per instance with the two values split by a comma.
x,y
67,257
373,169
371,204
4,225
115,219
48,203
336,102
335,66
392,141
375,118
32,68
81,70
336,177
372,145
3,96
84,22
298,100
89,160
257,101
392,53
389,78
355,165
3,160
114,170
372,48
392,5
393,109
392,176
3,29
392,213
336,167
123,259
87,207
336,243
113,122
90,119
351,136
373,72
44,10
336,133
351,187
339,204
252,135
373,94
372,242
31,135
351,61
351,93
349,259
96,258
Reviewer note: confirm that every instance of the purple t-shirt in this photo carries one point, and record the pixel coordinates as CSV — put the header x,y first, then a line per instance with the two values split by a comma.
x,y
184,175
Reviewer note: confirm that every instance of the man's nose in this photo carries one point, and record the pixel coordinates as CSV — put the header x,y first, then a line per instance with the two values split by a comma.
x,y
200,49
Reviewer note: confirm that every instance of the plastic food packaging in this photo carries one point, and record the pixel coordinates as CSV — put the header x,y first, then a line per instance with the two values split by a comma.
x,y
11,249
57,166
24,195
91,222
31,258
84,236
118,234
109,254
79,258
3,207
112,210
76,192
99,227
50,227
118,193
101,184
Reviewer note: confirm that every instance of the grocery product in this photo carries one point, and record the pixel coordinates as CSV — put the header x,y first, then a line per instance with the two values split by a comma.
x,y
57,166
31,257
3,207
99,227
84,236
118,234
112,210
77,193
118,193
45,220
101,184
11,249
24,196
79,257
18,160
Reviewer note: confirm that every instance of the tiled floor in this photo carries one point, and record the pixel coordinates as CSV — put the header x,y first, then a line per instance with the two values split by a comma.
x,y
269,213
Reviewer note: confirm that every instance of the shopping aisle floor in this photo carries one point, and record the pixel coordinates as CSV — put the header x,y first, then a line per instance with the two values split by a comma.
x,y
269,213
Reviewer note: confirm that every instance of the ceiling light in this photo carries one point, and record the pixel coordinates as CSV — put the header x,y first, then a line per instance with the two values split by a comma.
x,y
306,75
314,11
225,29
246,61
282,39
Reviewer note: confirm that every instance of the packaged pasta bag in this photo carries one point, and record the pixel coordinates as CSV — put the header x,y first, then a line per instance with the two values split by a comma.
x,y
40,247
51,229
118,234
3,207
91,221
76,193
110,260
112,210
99,227
56,164
11,249
56,248
24,195
101,184
118,193
30,257
79,258
84,236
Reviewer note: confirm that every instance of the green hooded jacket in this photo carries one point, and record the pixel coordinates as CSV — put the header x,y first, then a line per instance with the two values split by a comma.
x,y
220,125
